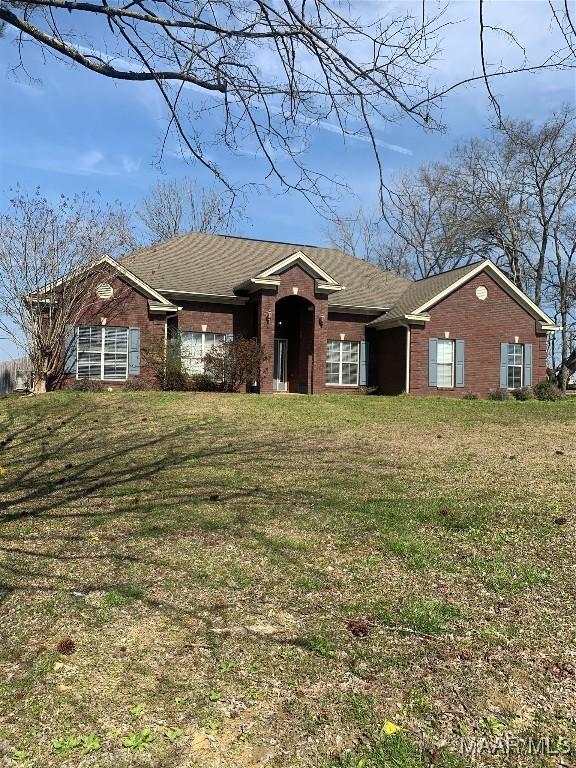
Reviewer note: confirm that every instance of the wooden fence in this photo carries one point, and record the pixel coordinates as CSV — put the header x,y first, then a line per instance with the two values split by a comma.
x,y
8,373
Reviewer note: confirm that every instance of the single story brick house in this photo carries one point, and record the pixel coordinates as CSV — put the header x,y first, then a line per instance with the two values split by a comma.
x,y
327,321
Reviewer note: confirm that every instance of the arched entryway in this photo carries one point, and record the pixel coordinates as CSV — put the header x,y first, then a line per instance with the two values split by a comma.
x,y
293,345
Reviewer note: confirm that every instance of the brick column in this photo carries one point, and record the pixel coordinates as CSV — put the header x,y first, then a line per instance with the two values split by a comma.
x,y
266,326
320,342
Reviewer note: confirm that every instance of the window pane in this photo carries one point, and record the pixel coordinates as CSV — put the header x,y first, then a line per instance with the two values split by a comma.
x,y
332,373
349,373
514,376
445,351
192,352
89,352
444,375
445,363
333,352
115,353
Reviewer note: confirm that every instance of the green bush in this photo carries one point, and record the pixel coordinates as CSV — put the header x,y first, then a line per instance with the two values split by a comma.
x,y
471,396
499,394
547,390
523,393
87,385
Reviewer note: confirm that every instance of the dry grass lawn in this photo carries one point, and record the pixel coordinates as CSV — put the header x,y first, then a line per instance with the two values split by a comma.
x,y
233,581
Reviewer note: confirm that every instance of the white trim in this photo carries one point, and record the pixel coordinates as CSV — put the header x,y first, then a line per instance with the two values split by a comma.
x,y
298,256
216,298
500,278
392,322
328,287
155,306
131,277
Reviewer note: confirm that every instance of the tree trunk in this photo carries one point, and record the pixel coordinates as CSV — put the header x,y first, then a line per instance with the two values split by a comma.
x,y
39,387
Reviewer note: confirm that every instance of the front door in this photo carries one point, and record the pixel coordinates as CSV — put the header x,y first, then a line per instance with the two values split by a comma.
x,y
280,381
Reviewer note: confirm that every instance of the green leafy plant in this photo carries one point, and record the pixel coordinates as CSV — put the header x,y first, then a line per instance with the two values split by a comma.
x,y
214,727
139,741
214,695
471,396
136,711
65,745
492,726
173,734
89,743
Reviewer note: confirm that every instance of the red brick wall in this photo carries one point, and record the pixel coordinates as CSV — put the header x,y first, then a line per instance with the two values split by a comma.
x,y
218,318
127,308
483,325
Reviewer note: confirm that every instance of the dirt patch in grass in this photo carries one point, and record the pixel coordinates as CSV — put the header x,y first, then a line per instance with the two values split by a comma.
x,y
250,581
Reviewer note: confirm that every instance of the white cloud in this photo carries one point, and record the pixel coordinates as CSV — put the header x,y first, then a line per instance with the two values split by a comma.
x,y
58,158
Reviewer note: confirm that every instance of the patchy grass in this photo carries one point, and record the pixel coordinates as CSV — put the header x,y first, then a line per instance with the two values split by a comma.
x,y
212,580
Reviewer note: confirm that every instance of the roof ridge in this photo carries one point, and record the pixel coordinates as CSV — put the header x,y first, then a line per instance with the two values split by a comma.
x,y
447,271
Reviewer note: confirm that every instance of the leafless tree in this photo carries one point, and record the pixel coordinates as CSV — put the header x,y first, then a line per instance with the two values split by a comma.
x,y
42,243
176,207
270,71
420,231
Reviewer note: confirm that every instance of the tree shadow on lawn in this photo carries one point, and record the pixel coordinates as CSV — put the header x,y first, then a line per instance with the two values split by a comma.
x,y
63,474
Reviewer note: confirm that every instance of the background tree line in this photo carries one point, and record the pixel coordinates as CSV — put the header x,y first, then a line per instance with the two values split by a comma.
x,y
510,197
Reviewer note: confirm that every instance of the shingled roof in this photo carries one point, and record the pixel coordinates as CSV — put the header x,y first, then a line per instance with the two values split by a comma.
x,y
420,292
215,265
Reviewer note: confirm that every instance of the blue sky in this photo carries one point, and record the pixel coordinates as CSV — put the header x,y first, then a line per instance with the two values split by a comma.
x,y
68,130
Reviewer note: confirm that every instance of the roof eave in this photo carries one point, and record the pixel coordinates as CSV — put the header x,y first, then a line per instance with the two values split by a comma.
x,y
393,322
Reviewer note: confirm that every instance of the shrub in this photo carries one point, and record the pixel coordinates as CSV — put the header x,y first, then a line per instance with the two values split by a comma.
x,y
201,382
547,390
471,396
234,364
165,360
87,385
522,393
137,385
499,394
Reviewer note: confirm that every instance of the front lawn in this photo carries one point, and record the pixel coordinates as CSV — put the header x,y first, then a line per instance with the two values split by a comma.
x,y
221,580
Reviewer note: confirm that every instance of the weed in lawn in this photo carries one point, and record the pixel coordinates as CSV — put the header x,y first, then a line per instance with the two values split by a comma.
x,y
173,734
139,740
122,595
321,647
425,617
508,578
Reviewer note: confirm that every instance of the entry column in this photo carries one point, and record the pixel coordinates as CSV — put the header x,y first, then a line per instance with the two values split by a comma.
x,y
266,326
320,344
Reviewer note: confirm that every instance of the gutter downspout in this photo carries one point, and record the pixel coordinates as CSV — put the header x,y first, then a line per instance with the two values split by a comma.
x,y
407,383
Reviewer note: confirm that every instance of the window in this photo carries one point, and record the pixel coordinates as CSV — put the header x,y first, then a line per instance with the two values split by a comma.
x,y
343,363
102,353
515,365
195,345
445,363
